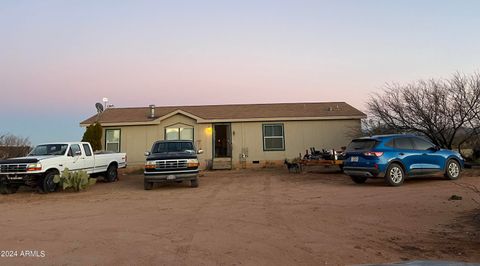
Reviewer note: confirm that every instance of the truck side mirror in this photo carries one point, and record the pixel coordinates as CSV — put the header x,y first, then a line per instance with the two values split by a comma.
x,y
78,153
147,153
199,151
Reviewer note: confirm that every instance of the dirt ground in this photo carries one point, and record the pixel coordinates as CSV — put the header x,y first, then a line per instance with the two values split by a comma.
x,y
252,217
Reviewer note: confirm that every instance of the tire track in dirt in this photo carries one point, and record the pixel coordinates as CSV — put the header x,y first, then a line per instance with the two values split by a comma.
x,y
190,229
275,218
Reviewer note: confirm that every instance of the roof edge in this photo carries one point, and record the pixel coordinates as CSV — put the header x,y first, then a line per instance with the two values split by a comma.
x,y
176,112
208,121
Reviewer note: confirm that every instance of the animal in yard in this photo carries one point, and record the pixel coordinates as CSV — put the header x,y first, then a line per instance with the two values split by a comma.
x,y
292,167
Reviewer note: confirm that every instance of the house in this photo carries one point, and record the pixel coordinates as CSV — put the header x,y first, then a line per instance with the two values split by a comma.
x,y
232,136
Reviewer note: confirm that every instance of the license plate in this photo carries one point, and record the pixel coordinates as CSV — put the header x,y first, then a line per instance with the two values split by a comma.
x,y
14,177
354,159
171,177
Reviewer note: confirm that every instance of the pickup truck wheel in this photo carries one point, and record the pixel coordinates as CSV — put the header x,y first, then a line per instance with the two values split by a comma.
x,y
359,179
394,175
111,175
147,185
452,171
47,185
194,183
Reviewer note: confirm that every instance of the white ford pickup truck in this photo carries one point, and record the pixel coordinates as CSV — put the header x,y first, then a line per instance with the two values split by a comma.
x,y
45,161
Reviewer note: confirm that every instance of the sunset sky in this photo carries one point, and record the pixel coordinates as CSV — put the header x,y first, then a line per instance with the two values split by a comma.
x,y
58,58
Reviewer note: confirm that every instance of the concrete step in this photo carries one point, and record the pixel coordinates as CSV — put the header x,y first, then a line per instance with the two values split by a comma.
x,y
222,164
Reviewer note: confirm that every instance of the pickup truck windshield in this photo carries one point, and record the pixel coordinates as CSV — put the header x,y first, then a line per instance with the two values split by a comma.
x,y
162,147
49,149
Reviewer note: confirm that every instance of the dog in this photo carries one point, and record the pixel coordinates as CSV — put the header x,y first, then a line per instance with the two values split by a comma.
x,y
292,167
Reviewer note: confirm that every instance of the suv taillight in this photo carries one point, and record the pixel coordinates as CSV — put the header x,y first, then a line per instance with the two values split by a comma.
x,y
373,153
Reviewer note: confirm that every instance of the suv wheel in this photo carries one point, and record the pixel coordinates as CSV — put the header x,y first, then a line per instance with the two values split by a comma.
x,y
394,175
359,179
452,171
147,185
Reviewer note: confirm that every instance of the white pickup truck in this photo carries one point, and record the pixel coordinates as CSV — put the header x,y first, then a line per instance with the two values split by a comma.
x,y
45,161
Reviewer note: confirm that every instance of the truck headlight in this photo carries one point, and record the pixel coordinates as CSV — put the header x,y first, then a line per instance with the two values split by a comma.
x,y
34,167
150,165
192,163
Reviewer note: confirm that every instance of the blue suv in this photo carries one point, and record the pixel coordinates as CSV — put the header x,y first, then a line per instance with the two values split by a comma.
x,y
395,157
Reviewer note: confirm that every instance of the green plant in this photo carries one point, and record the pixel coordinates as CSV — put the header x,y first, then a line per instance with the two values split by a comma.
x,y
93,135
77,180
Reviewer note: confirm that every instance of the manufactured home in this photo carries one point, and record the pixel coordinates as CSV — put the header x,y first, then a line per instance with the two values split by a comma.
x,y
231,136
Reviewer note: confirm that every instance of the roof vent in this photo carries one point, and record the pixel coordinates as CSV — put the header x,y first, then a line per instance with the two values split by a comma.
x,y
152,110
333,108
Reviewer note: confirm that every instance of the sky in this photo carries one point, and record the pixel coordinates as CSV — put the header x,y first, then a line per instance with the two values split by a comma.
x,y
58,58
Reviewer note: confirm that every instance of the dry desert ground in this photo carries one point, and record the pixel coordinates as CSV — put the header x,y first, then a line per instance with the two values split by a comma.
x,y
246,217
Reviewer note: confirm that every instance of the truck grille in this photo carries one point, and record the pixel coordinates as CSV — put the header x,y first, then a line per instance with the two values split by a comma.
x,y
171,164
12,168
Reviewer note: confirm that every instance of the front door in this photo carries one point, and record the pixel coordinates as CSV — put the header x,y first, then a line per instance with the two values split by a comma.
x,y
222,137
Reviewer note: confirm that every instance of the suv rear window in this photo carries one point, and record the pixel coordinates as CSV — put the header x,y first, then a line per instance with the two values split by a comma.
x,y
361,144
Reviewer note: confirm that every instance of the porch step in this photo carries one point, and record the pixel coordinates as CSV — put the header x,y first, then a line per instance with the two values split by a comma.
x,y
222,164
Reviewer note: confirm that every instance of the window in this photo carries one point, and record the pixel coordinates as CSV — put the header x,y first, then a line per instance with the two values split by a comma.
x,y
74,149
112,140
403,144
390,143
421,144
49,149
179,133
361,144
273,137
87,150
162,147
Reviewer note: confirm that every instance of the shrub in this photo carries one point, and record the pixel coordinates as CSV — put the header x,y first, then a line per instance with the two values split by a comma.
x,y
77,180
93,135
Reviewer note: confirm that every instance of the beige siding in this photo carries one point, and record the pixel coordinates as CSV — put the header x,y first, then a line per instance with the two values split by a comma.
x,y
299,136
135,140
203,141
246,137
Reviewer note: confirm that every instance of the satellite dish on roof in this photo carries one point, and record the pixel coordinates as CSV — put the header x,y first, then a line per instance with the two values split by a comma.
x,y
99,107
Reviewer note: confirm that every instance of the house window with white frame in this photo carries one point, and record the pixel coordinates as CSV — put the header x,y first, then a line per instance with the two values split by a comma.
x,y
273,137
179,133
112,140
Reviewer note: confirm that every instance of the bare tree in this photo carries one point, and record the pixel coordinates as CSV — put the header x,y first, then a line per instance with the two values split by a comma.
x,y
13,146
446,111
370,127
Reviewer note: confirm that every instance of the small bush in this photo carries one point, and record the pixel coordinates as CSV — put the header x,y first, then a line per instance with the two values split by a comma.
x,y
93,135
78,180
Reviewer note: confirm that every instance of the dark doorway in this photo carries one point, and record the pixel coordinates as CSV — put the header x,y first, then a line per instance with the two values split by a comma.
x,y
222,138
